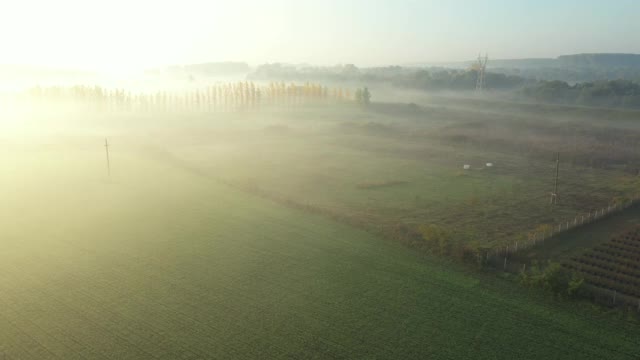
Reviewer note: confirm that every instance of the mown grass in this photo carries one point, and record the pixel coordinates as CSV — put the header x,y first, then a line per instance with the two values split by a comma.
x,y
160,262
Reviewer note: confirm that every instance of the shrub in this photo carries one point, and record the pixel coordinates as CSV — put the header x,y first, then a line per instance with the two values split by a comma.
x,y
437,239
554,279
575,287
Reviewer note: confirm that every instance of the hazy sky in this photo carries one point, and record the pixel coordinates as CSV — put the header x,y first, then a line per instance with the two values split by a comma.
x,y
118,34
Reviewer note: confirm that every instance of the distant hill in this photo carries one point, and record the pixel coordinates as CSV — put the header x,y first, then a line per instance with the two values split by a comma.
x,y
574,68
523,63
213,68
600,60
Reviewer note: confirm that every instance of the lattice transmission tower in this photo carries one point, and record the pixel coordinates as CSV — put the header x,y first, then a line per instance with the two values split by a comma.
x,y
481,68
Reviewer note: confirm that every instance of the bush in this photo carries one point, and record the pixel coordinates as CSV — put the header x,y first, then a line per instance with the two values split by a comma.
x,y
437,239
554,279
575,287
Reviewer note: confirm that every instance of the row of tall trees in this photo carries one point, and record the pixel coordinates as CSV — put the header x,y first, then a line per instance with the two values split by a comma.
x,y
220,97
363,96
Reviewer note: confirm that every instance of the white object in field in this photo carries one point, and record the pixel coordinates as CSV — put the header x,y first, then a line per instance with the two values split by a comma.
x,y
467,167
489,164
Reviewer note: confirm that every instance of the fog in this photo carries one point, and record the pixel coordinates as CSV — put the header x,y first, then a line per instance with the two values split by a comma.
x,y
124,36
304,179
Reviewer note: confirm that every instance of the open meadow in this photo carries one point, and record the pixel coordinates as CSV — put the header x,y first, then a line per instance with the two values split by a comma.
x,y
161,261
394,166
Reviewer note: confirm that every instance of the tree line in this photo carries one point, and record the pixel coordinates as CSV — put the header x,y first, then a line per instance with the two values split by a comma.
x,y
614,93
244,95
602,93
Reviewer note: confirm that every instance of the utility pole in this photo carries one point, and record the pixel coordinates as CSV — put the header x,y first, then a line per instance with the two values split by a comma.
x,y
106,148
554,194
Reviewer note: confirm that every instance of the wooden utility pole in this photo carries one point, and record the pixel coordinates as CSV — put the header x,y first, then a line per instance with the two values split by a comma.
x,y
106,148
554,194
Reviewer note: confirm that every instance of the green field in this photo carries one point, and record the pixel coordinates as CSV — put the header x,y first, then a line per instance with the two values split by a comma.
x,y
414,156
164,262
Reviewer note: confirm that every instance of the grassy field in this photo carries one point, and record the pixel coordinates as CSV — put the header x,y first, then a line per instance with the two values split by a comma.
x,y
161,262
329,158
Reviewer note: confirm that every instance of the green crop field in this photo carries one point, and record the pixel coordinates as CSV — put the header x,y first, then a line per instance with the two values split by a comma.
x,y
612,266
165,262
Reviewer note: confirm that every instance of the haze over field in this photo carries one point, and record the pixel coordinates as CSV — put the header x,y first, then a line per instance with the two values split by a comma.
x,y
319,179
124,35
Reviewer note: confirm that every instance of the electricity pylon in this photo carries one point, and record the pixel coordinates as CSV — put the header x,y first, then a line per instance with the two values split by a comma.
x,y
481,67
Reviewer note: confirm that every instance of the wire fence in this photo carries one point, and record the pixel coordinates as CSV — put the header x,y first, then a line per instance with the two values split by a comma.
x,y
551,232
507,258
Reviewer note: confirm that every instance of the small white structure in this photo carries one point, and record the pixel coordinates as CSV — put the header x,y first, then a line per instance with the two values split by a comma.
x,y
466,167
489,164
